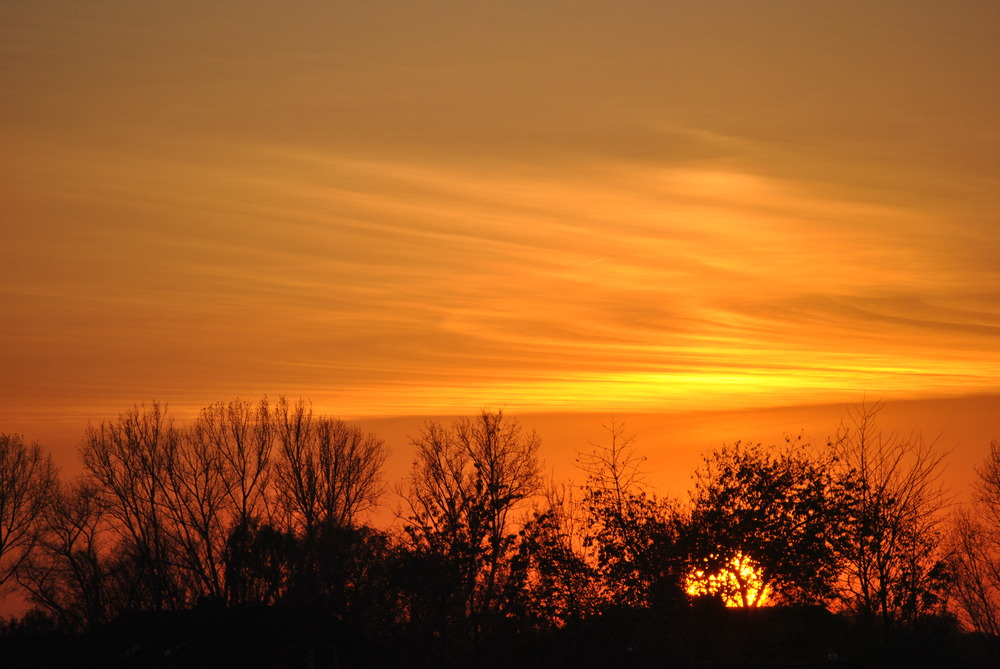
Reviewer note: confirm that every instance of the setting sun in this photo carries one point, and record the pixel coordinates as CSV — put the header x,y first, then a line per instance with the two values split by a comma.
x,y
739,583
354,301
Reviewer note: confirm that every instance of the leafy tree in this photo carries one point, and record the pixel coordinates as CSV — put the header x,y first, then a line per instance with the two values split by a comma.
x,y
260,561
631,535
893,553
781,511
556,585
352,579
27,479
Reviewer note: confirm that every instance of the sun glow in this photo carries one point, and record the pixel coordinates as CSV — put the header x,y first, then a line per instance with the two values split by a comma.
x,y
739,583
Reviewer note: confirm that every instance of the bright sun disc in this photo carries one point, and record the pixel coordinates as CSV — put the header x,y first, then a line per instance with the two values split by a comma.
x,y
739,583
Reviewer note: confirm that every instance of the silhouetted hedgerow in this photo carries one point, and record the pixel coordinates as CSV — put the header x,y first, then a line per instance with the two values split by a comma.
x,y
241,540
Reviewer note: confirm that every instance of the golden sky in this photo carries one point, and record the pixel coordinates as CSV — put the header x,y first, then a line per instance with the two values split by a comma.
x,y
403,208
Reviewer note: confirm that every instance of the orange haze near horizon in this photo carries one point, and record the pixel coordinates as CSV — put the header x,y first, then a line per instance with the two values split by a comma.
x,y
712,217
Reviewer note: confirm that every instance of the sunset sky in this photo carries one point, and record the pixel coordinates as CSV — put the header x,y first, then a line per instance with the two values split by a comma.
x,y
424,208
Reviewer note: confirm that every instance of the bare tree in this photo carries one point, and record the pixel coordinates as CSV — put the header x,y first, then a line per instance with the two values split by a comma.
x,y
69,574
221,490
893,552
350,464
216,482
615,485
197,514
465,483
27,479
242,433
295,472
614,469
505,459
328,472
129,459
976,551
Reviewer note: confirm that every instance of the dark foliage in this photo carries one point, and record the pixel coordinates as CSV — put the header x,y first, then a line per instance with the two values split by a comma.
x,y
781,508
240,541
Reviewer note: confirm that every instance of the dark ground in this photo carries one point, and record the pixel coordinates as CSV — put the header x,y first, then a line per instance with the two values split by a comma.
x,y
701,636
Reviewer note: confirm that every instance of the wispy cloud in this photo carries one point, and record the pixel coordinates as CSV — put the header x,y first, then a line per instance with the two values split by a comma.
x,y
386,287
411,213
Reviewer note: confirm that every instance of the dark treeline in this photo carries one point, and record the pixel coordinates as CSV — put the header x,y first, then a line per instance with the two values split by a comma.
x,y
244,538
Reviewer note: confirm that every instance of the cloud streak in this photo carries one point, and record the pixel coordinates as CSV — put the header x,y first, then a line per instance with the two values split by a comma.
x,y
391,287
418,214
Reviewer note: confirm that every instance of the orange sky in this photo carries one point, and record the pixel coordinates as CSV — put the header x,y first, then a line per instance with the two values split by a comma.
x,y
402,209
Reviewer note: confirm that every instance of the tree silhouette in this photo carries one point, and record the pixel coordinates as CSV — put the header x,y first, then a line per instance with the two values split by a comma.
x,y
240,435
197,516
632,535
780,509
69,573
257,512
558,586
894,567
260,562
27,479
464,484
328,472
130,460
976,550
